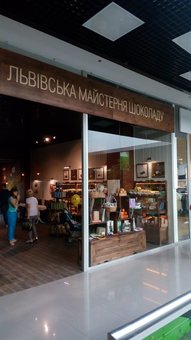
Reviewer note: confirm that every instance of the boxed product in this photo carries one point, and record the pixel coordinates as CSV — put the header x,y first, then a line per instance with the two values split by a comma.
x,y
110,227
95,216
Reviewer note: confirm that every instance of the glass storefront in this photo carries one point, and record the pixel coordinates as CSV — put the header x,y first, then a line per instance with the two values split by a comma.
x,y
183,178
182,189
115,179
129,189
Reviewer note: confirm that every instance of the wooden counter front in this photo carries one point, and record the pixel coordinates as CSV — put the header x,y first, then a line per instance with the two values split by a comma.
x,y
155,234
116,246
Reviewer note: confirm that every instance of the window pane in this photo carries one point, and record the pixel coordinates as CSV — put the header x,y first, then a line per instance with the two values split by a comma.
x,y
128,188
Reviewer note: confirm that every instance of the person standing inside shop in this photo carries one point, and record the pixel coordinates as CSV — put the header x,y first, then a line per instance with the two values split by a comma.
x,y
4,197
13,203
32,215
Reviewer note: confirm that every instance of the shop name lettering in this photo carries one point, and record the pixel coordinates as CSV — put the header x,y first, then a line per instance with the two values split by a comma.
x,y
66,89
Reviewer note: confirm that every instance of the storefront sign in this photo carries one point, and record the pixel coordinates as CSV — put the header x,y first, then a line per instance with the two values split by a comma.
x,y
30,79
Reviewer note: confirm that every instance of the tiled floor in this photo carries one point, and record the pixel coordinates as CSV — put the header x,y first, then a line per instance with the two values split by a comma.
x,y
26,266
88,305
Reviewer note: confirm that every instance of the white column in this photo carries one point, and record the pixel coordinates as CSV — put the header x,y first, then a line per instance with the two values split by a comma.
x,y
174,220
189,178
85,200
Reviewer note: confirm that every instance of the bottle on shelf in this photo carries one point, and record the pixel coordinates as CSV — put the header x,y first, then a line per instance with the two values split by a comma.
x,y
119,225
133,224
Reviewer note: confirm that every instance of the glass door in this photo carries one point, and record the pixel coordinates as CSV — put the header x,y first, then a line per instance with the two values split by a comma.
x,y
182,190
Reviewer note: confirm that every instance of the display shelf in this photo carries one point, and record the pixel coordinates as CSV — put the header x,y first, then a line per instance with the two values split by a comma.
x,y
96,202
150,210
63,193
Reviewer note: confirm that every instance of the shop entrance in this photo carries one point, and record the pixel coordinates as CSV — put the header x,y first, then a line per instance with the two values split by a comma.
x,y
40,148
53,167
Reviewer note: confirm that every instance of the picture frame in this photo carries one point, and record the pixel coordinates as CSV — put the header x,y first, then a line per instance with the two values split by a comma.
x,y
79,174
66,174
142,170
158,170
74,175
99,173
91,174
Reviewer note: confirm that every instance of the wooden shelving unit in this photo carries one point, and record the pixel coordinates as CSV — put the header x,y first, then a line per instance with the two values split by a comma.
x,y
151,210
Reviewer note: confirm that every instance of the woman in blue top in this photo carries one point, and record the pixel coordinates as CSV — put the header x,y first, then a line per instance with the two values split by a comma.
x,y
12,214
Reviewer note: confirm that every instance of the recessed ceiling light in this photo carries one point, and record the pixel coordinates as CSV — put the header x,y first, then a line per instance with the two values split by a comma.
x,y
184,41
186,75
112,22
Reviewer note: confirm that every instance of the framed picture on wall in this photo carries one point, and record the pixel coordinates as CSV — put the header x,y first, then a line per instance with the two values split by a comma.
x,y
158,170
99,173
66,174
79,174
91,174
142,170
74,175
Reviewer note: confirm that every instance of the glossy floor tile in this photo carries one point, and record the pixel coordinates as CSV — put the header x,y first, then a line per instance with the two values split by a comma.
x,y
89,305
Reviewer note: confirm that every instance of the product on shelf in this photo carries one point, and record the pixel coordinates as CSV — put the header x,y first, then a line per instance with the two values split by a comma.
x,y
121,192
95,216
100,231
110,207
123,214
110,227
126,227
97,194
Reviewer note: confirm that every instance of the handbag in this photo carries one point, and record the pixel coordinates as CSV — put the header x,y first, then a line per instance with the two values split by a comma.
x,y
26,225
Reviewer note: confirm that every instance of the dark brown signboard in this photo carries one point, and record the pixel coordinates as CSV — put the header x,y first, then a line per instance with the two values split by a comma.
x,y
33,80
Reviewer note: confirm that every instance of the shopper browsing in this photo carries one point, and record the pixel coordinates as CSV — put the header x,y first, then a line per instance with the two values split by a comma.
x,y
4,197
13,202
32,215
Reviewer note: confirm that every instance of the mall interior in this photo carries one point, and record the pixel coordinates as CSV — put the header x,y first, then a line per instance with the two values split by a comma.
x,y
105,146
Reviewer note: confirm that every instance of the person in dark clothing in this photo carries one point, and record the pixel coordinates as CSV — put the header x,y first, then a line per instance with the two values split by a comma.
x,y
4,197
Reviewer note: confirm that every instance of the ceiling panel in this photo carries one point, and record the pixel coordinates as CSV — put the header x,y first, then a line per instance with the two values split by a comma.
x,y
148,49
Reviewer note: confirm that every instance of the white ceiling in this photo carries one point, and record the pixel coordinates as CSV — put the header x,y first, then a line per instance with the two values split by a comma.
x,y
27,41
